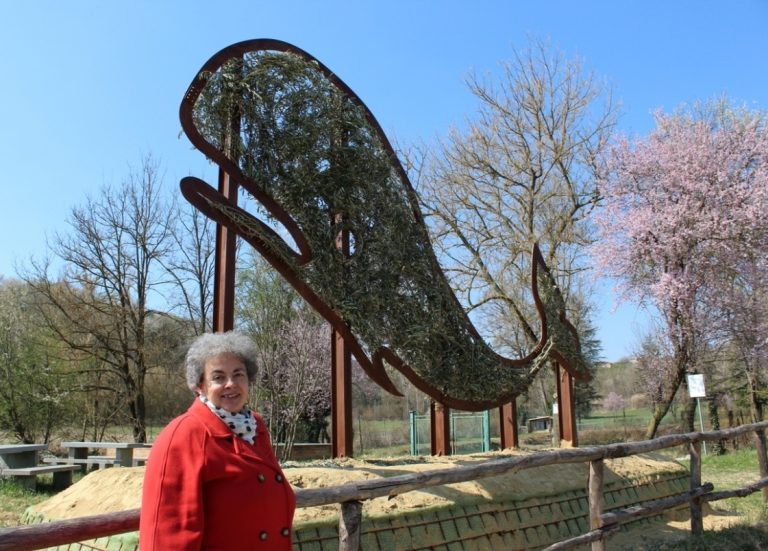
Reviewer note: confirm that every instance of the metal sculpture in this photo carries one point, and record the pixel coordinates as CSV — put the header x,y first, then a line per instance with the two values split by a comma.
x,y
295,137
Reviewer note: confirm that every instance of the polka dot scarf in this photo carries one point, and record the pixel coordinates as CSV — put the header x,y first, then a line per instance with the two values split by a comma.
x,y
242,423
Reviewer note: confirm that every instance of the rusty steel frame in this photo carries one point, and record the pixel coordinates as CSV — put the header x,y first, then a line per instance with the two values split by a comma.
x,y
341,376
566,409
199,194
224,265
439,428
341,397
508,425
226,243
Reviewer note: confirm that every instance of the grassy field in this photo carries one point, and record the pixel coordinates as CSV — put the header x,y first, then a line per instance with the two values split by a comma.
x,y
14,499
599,418
733,470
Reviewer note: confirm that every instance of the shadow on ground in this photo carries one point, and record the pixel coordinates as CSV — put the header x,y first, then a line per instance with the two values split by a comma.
x,y
723,531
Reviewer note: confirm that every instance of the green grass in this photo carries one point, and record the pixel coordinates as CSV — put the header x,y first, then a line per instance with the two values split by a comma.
x,y
15,498
598,415
639,417
730,471
736,469
380,425
117,433
737,538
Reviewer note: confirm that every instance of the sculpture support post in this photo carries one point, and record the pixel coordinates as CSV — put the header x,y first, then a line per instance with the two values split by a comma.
x,y
566,410
224,271
508,425
224,263
440,428
341,397
341,378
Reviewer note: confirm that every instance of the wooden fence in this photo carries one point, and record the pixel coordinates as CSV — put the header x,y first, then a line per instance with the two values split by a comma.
x,y
351,496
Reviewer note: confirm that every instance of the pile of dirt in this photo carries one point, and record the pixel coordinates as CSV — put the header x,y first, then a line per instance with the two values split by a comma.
x,y
119,489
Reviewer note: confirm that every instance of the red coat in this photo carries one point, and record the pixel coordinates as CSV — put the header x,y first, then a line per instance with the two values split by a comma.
x,y
204,488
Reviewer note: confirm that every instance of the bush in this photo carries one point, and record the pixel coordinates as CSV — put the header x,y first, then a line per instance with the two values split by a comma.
x,y
611,435
639,401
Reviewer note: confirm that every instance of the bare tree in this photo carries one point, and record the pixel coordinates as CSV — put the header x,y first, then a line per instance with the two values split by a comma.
x,y
99,306
192,268
522,171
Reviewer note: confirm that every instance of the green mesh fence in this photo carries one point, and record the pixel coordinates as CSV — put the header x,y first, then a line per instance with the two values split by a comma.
x,y
469,433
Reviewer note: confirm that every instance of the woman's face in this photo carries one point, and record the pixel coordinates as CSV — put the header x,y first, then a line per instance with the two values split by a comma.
x,y
225,382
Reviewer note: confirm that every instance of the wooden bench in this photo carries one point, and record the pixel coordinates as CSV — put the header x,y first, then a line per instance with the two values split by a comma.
x,y
62,475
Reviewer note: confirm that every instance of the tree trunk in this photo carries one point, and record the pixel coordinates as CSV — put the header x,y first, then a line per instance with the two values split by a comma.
x,y
140,419
689,415
668,393
659,411
756,406
714,421
137,408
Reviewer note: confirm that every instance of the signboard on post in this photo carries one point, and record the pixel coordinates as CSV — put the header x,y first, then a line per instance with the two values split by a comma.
x,y
696,390
696,386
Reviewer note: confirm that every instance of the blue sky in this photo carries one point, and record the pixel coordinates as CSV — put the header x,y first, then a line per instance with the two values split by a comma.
x,y
90,87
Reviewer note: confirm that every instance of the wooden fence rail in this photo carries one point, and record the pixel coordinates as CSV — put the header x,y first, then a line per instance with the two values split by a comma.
x,y
351,496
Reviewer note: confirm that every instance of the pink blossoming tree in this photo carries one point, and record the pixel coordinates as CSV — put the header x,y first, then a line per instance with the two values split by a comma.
x,y
684,225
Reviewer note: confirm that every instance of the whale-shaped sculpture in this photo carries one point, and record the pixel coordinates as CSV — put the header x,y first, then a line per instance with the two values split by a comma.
x,y
308,150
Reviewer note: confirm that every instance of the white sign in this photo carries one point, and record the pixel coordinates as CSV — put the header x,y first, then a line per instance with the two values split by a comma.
x,y
696,386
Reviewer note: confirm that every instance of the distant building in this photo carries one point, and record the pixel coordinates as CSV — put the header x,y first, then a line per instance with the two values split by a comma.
x,y
535,424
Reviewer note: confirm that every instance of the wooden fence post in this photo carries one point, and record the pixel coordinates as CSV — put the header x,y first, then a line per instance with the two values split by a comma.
x,y
350,524
762,459
596,502
697,522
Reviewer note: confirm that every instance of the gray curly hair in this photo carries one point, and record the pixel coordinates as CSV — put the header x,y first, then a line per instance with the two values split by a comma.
x,y
209,345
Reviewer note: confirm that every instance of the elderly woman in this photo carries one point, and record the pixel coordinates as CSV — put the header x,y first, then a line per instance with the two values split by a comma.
x,y
212,480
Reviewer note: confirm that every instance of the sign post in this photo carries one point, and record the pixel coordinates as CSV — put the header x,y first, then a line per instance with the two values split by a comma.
x,y
696,390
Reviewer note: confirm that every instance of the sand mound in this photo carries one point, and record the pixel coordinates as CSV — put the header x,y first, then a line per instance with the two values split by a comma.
x,y
118,489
